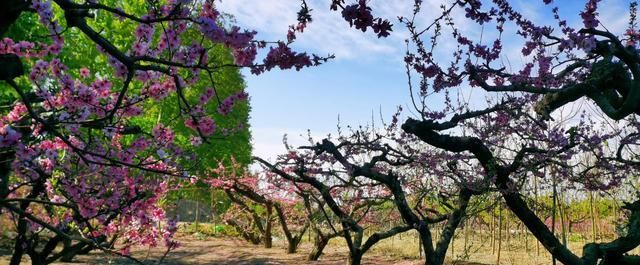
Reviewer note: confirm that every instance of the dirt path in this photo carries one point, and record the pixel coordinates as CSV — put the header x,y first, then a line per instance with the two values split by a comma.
x,y
234,251
228,251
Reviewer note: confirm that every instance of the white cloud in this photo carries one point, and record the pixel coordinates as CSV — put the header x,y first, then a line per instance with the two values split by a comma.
x,y
614,15
328,33
267,142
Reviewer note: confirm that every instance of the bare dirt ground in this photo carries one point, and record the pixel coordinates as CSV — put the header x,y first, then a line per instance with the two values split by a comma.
x,y
205,250
234,251
226,251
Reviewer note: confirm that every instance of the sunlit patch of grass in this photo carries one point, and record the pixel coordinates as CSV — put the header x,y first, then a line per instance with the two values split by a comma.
x,y
203,230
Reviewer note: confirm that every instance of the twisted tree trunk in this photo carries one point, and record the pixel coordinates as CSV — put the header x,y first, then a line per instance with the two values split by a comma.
x,y
319,243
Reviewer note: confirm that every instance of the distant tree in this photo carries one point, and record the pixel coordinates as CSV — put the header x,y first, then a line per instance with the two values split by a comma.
x,y
350,198
323,224
259,199
425,186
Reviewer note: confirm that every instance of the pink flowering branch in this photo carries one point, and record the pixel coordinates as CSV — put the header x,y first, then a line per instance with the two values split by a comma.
x,y
70,142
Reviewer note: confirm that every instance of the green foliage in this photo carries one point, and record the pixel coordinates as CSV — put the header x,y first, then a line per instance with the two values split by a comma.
x,y
577,237
203,230
80,52
218,201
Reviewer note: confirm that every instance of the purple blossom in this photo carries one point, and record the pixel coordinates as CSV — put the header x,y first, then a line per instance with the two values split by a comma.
x,y
589,14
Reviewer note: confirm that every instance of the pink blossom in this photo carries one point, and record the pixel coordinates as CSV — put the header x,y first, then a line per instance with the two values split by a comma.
x,y
84,72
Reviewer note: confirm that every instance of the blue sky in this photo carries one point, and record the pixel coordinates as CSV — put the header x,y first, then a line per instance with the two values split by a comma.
x,y
366,78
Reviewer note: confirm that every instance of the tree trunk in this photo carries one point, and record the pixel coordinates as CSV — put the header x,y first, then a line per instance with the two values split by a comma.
x,y
268,241
355,258
499,234
22,244
318,246
535,208
536,226
563,221
5,171
593,216
292,245
18,251
70,251
293,240
436,258
553,214
37,258
420,248
596,212
197,214
493,232
250,236
453,249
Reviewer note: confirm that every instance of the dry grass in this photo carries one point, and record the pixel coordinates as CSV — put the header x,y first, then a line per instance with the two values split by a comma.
x,y
515,250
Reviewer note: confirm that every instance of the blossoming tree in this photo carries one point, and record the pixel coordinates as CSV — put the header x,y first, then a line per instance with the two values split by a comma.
x,y
565,67
77,167
248,192
519,132
349,198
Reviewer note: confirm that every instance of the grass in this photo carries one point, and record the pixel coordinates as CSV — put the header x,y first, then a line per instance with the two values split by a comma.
x,y
516,249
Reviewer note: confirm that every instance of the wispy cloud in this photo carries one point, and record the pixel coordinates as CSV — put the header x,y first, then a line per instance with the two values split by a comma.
x,y
268,144
614,15
379,61
327,34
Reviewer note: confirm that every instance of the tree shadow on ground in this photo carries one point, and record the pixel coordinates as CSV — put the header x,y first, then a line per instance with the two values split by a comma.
x,y
178,257
238,261
5,251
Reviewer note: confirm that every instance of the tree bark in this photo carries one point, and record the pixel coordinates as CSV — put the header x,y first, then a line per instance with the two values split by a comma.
x,y
22,245
499,235
355,258
500,176
248,235
319,244
293,241
5,171
268,240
